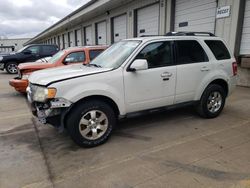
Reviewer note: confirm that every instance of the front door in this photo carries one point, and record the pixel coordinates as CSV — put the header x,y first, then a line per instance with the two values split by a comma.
x,y
154,87
34,54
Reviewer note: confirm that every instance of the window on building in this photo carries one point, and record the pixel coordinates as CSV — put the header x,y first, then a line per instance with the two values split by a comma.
x,y
219,49
190,51
157,54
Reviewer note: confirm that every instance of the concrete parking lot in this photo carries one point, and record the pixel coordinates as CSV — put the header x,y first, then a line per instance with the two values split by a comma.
x,y
168,149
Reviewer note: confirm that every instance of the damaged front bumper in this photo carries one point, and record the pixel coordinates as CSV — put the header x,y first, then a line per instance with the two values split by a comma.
x,y
52,112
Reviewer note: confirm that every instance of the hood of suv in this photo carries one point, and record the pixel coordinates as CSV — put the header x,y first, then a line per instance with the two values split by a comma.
x,y
45,77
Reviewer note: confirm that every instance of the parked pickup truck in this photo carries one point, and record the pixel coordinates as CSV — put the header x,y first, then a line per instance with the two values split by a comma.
x,y
69,56
134,75
29,53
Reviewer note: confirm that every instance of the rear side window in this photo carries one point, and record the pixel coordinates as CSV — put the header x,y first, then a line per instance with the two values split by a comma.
x,y
219,49
49,50
94,53
190,51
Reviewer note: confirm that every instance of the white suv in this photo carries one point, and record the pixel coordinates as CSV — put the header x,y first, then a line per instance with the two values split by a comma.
x,y
131,76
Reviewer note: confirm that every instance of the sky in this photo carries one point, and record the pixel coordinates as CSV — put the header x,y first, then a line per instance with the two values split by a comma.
x,y
27,18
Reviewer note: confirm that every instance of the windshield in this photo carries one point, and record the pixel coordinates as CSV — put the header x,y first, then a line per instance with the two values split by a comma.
x,y
56,57
22,49
114,56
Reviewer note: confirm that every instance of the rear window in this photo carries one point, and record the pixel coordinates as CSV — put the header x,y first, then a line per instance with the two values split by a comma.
x,y
94,53
190,51
50,50
219,49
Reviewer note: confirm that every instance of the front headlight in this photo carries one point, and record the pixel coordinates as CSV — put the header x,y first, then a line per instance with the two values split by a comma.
x,y
1,58
41,94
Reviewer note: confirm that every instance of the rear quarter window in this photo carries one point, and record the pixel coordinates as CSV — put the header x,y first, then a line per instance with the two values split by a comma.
x,y
49,50
94,53
219,49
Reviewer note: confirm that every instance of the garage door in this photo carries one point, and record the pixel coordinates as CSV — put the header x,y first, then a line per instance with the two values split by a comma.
x,y
78,37
61,42
88,35
148,20
245,41
71,39
66,40
120,28
195,15
101,33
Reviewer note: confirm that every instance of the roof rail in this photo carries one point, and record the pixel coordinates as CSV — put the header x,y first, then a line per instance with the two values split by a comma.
x,y
150,35
185,33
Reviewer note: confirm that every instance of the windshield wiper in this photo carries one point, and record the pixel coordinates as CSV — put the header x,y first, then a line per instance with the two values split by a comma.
x,y
95,65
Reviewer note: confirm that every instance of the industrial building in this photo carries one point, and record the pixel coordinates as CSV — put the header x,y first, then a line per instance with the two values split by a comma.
x,y
11,45
108,21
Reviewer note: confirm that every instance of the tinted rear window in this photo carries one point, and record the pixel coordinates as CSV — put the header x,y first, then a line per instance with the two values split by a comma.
x,y
49,50
190,51
94,53
219,49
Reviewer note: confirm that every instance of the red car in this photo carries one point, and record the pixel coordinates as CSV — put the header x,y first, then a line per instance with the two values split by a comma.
x,y
65,57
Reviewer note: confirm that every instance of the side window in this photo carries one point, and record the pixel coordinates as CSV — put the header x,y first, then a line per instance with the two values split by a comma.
x,y
157,54
219,49
34,49
48,50
190,51
94,53
76,57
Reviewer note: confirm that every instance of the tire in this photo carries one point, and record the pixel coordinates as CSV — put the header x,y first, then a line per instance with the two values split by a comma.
x,y
95,119
11,67
212,101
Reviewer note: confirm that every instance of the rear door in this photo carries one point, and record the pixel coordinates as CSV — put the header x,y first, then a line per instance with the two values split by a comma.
x,y
192,67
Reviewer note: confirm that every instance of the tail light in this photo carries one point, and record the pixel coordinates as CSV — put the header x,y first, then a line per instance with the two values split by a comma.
x,y
235,68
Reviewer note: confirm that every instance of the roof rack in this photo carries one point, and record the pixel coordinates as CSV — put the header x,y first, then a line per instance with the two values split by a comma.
x,y
184,33
150,35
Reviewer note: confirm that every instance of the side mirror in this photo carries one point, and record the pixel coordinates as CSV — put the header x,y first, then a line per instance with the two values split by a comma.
x,y
27,52
139,64
68,60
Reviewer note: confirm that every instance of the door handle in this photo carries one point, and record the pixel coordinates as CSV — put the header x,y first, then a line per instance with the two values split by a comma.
x,y
204,69
166,75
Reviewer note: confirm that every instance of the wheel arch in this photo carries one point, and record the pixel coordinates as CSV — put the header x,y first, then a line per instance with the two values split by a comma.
x,y
10,61
218,81
103,98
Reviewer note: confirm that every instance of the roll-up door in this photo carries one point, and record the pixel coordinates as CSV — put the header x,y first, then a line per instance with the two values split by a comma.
x,y
119,28
65,40
101,33
71,39
147,20
78,37
61,42
195,15
88,35
245,40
